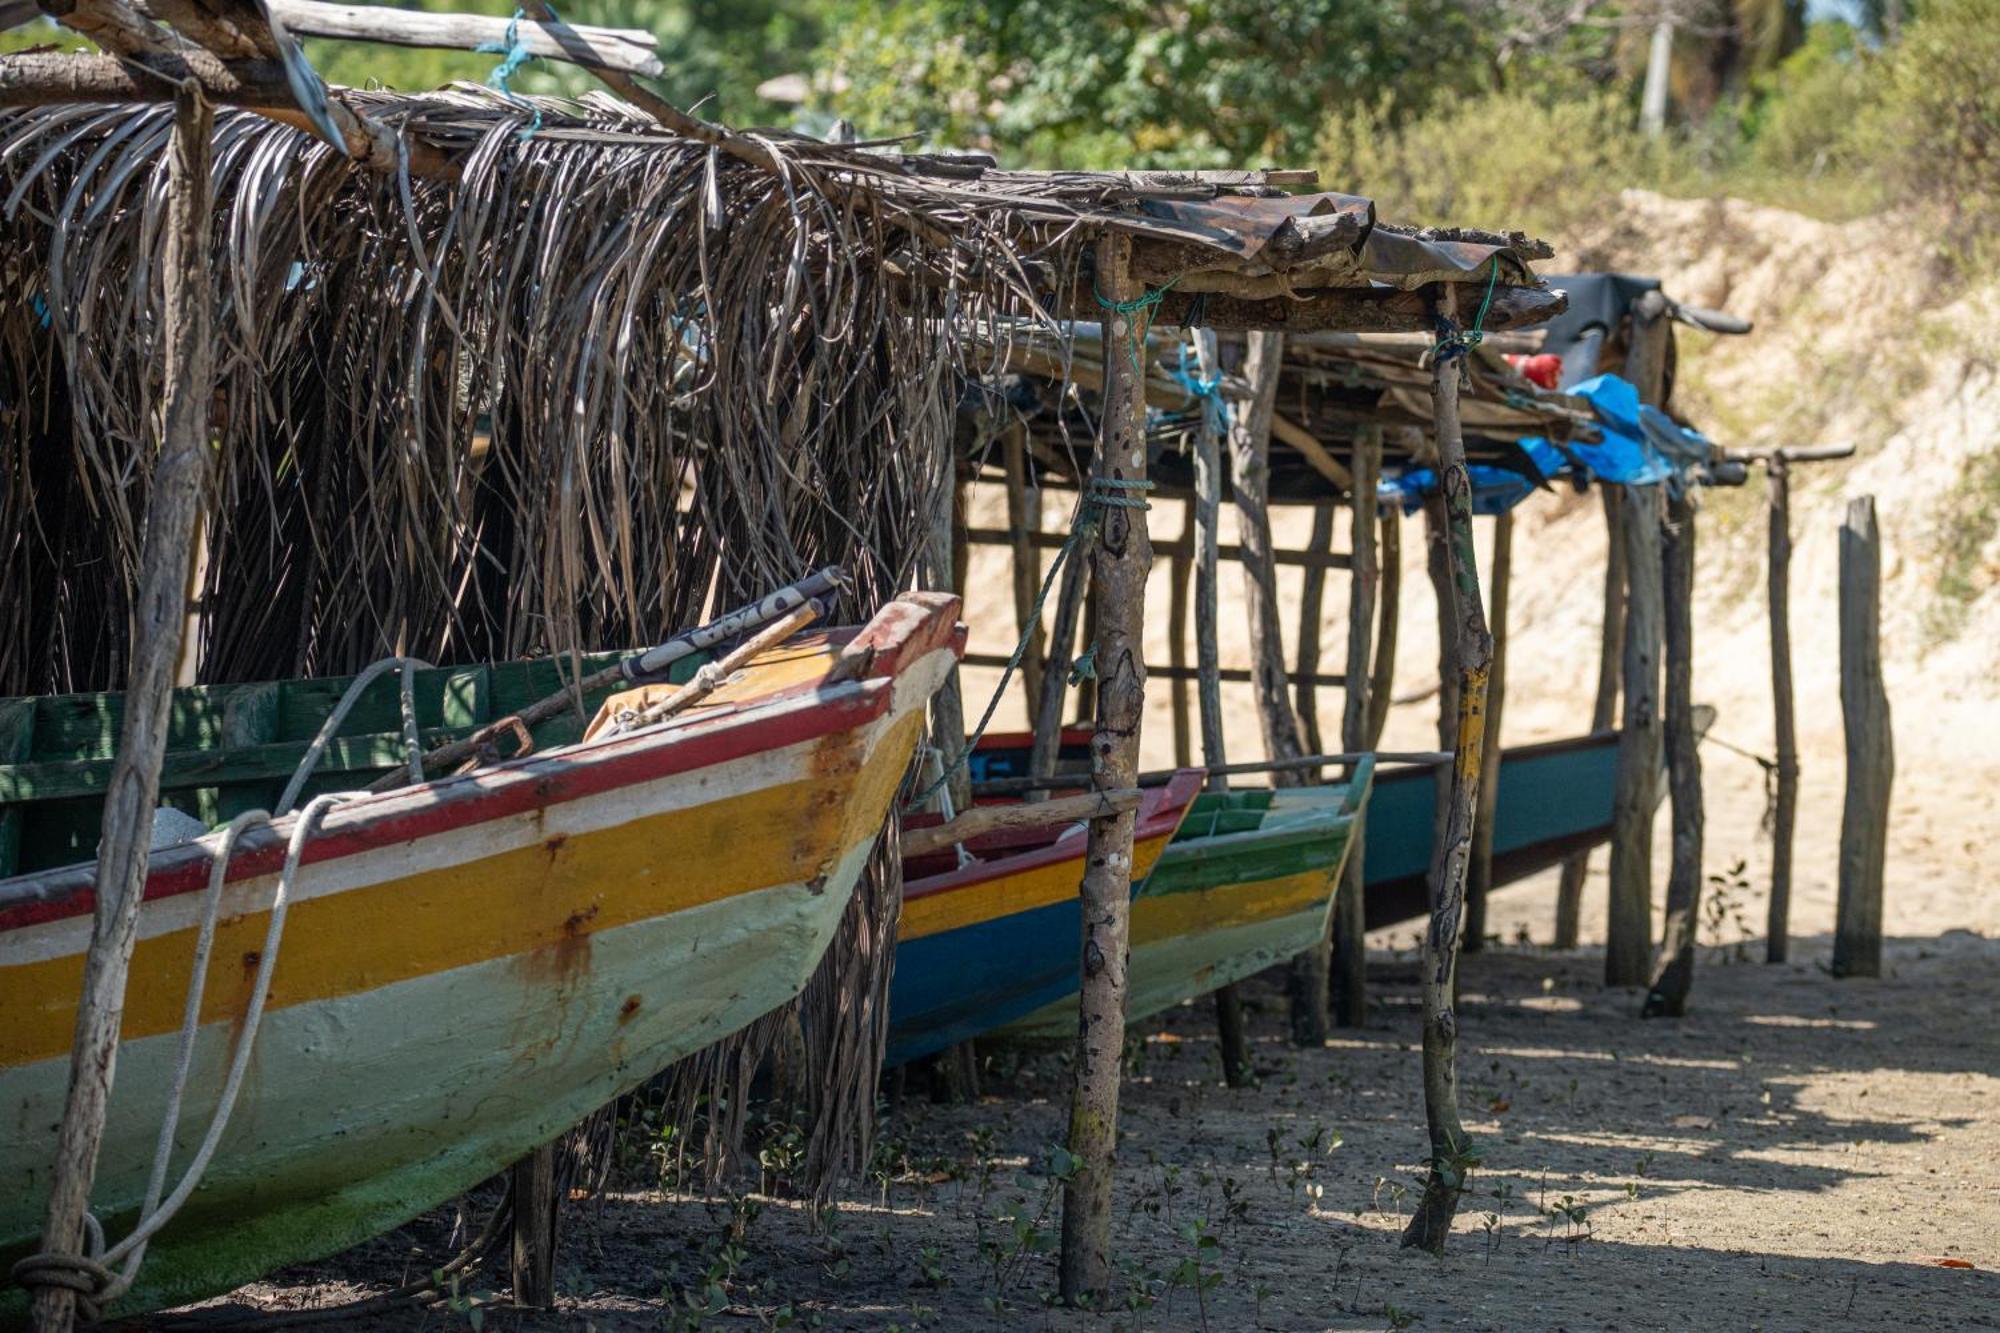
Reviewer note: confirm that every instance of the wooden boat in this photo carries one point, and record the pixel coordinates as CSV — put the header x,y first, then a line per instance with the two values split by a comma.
x,y
1246,882
991,940
469,966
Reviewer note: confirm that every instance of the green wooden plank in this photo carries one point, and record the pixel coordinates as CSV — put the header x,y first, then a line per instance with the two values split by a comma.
x,y
17,740
249,719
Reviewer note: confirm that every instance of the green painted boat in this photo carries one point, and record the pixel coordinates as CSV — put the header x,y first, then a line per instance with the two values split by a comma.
x,y
1247,882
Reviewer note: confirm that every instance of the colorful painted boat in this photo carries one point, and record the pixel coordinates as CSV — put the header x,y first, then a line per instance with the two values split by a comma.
x,y
469,966
1246,882
994,939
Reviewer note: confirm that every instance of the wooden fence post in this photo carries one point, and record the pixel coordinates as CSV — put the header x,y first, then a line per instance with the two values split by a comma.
x,y
1350,945
1784,814
1180,576
1480,877
1231,1037
1451,1158
1673,973
1312,604
1871,750
1121,556
1250,463
1629,930
1024,521
1437,562
1382,672
159,615
534,1252
1604,712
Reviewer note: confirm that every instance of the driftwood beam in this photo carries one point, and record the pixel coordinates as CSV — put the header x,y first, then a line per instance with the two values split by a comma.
x,y
984,819
1121,557
631,50
159,614
1871,750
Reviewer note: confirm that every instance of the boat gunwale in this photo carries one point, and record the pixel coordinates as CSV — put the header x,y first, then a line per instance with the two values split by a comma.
x,y
897,637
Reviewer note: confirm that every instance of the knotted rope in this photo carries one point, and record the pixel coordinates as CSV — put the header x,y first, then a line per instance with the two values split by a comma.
x,y
1454,342
514,54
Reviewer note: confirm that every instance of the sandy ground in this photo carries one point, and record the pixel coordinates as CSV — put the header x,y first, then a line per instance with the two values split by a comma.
x,y
1800,1153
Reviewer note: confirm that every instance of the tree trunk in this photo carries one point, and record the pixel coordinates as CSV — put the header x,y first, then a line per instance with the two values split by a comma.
x,y
1604,712
1784,815
1229,1028
1451,1158
1871,751
1121,558
1481,875
1350,946
159,616
1673,975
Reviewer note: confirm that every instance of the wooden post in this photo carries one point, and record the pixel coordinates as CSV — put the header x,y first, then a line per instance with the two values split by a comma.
x,y
1871,750
159,615
1786,806
1451,1157
1055,675
1250,462
1312,603
948,704
534,1256
1231,1038
1180,575
1628,934
1382,675
1024,520
1673,973
1437,563
1121,558
1480,877
1604,712
1350,946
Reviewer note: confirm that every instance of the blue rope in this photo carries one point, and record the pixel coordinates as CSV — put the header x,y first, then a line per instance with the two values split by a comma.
x,y
514,55
1204,389
1101,493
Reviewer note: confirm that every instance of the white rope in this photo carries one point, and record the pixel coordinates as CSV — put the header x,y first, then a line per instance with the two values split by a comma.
x,y
412,743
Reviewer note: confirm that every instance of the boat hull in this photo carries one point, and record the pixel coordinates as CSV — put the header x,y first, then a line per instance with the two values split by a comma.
x,y
444,1002
1224,906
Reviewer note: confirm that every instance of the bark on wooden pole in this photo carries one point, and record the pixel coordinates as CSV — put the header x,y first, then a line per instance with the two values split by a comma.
x,y
948,704
1451,1158
1231,1037
1785,805
1604,712
159,616
1312,604
1871,751
1121,558
1673,974
1024,519
1350,948
1480,878
1437,563
1250,473
534,1248
1382,673
1055,674
1180,576
1628,934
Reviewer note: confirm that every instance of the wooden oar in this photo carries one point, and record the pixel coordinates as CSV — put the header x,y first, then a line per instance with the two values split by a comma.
x,y
993,818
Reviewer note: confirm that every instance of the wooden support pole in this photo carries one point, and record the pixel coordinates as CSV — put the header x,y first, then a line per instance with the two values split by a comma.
x,y
948,704
1673,972
1121,557
1480,881
1785,811
1349,999
1437,563
1312,603
1180,575
1382,671
1055,674
1024,520
1250,472
1451,1157
1232,1038
534,1251
180,476
1604,712
1629,929
1871,750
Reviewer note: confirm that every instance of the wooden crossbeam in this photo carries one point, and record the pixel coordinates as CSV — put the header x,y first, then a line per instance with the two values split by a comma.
x,y
1180,547
1232,675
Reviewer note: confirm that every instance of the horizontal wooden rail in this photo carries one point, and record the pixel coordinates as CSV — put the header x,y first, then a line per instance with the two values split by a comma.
x,y
996,818
1231,675
1163,550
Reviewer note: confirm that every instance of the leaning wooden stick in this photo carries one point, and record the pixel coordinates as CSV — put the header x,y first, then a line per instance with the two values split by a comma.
x,y
1451,1155
999,818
